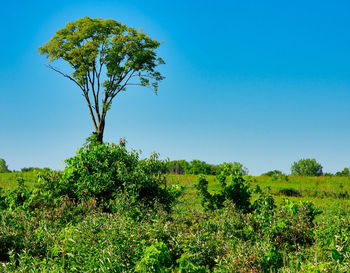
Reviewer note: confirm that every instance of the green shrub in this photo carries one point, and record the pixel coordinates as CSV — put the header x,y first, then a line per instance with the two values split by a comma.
x,y
232,167
293,227
279,177
264,209
187,263
18,197
290,192
234,188
272,173
105,171
3,204
306,167
156,258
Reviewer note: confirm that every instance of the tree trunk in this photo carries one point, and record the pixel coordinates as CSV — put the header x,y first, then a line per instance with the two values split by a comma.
x,y
99,133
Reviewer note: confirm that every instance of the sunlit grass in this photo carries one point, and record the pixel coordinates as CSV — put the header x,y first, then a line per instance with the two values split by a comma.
x,y
330,194
8,181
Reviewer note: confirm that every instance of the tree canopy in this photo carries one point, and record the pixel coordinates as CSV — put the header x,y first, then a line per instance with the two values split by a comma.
x,y
106,56
306,167
3,166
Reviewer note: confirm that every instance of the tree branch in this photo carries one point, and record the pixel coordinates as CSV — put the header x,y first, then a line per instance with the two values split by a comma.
x,y
65,75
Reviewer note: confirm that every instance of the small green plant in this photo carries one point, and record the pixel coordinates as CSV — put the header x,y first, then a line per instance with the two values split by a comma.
x,y
187,263
18,197
264,209
156,258
234,188
279,177
290,192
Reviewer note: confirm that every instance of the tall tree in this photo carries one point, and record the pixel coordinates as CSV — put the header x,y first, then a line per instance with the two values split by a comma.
x,y
307,167
3,166
106,56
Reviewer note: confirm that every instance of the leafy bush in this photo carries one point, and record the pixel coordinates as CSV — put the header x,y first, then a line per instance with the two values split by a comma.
x,y
231,167
290,192
272,173
234,187
156,258
187,263
276,175
264,209
105,171
18,197
293,227
306,167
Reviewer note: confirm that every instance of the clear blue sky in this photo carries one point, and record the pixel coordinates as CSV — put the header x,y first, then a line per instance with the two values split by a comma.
x,y
264,83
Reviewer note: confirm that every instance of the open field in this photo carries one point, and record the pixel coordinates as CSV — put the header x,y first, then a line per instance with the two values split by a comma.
x,y
324,191
328,193
50,232
8,180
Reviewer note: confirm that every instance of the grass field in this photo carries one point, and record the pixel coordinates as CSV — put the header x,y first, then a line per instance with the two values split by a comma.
x,y
221,241
328,193
8,180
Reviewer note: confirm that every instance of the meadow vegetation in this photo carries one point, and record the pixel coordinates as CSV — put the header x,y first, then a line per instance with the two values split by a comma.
x,y
110,211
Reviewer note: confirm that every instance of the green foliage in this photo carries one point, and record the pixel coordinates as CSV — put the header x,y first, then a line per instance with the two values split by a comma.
x,y
104,55
156,258
345,172
85,42
3,166
273,173
306,167
276,175
51,232
187,263
234,188
18,197
290,192
293,228
107,171
178,166
193,167
232,167
32,169
264,209
197,167
200,167
3,204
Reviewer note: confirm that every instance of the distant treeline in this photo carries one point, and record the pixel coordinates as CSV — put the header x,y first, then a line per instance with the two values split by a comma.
x,y
199,167
32,169
5,169
303,167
